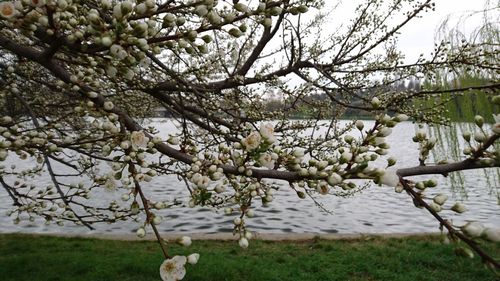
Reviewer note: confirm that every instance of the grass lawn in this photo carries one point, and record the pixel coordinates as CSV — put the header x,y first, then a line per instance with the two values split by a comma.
x,y
39,258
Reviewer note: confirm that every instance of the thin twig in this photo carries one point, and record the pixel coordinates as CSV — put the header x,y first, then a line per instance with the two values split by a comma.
x,y
446,224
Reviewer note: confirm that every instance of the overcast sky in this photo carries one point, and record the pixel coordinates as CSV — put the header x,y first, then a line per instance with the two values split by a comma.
x,y
418,36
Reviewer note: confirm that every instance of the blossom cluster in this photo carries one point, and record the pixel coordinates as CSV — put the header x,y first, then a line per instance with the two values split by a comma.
x,y
173,269
101,62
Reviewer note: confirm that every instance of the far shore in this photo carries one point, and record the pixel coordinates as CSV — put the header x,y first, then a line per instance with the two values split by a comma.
x,y
230,236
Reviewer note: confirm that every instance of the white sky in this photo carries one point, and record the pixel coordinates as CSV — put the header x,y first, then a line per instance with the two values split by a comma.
x,y
418,36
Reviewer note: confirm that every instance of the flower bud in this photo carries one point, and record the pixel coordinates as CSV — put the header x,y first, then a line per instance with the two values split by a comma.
x,y
492,234
301,194
375,102
243,242
303,9
334,179
141,232
235,32
201,10
391,161
473,229
440,199
184,241
250,213
401,117
346,156
420,134
464,252
479,120
479,136
157,220
384,132
430,183
193,258
458,207
360,125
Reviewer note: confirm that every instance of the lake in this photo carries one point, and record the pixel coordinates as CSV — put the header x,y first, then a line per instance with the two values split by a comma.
x,y
377,209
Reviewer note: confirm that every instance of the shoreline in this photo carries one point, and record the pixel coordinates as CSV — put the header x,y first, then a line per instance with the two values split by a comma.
x,y
230,236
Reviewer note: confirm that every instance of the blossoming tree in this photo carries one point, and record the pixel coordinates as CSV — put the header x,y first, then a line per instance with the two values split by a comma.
x,y
78,75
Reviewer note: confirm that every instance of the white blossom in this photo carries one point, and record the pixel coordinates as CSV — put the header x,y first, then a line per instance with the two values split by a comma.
x,y
203,182
390,178
108,105
252,141
195,178
267,132
173,269
138,139
266,160
7,9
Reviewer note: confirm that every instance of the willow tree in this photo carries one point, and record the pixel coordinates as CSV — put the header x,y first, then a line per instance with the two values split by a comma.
x,y
76,75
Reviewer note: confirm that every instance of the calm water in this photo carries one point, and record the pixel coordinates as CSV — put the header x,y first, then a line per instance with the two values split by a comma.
x,y
375,210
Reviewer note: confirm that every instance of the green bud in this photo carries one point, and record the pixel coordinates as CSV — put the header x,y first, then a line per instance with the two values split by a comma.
x,y
207,38
303,8
235,32
420,185
496,100
431,183
464,252
466,136
391,161
479,120
301,194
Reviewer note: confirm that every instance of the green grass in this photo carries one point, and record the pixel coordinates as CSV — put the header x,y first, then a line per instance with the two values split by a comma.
x,y
26,257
